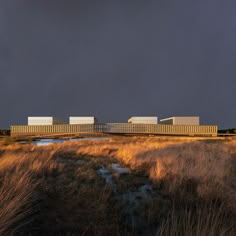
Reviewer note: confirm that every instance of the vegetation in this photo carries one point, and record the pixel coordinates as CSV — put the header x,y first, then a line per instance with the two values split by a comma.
x,y
4,132
228,131
56,190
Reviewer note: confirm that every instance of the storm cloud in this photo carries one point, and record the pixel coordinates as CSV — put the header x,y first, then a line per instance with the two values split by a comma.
x,y
115,59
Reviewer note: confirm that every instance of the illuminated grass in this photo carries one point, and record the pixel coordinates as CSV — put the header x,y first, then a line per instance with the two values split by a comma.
x,y
58,186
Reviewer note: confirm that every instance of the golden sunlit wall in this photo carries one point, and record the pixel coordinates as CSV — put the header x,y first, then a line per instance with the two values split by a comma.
x,y
120,128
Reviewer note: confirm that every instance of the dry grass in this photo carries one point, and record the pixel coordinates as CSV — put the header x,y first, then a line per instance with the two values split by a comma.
x,y
45,187
195,177
16,199
174,162
208,219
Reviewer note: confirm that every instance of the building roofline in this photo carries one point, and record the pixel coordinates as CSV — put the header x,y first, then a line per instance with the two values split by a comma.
x,y
170,118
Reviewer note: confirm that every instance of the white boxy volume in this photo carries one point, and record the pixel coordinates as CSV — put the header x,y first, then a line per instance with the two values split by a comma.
x,y
181,120
76,120
44,120
143,120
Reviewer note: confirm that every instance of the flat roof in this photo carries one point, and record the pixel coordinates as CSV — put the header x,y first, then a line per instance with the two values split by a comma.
x,y
171,118
143,117
82,116
41,117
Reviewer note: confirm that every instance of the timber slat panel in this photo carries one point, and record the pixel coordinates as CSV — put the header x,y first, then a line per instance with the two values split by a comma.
x,y
119,128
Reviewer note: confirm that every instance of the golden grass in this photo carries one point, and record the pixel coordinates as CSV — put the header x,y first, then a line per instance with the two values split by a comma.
x,y
192,172
16,199
205,220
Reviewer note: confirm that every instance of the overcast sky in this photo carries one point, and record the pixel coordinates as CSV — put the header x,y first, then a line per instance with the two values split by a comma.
x,y
118,58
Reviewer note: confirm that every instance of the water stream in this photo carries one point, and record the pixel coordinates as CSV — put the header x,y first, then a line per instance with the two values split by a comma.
x,y
45,142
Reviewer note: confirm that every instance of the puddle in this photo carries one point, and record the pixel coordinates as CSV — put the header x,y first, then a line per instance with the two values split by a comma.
x,y
129,200
45,142
120,170
104,173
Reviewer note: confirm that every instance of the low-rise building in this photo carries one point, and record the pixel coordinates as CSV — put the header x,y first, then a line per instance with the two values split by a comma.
x,y
182,126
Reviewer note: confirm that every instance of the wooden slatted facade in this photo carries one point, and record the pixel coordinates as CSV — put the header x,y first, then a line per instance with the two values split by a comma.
x,y
115,128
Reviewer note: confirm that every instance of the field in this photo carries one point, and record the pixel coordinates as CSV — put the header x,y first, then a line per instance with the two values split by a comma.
x,y
123,186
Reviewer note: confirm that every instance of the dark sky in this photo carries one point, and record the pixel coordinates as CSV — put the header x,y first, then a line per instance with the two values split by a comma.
x,y
118,58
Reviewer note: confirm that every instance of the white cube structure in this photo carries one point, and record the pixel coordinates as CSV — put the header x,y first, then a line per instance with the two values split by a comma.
x,y
78,120
181,120
143,120
44,120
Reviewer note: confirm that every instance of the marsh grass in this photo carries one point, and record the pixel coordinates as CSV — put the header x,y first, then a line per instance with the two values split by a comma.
x,y
205,219
16,201
55,190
